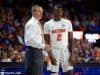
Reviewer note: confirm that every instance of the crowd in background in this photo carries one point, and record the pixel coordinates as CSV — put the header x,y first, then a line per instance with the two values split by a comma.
x,y
13,19
84,52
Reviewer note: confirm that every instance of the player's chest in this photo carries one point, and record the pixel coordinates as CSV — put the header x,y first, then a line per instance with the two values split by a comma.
x,y
58,27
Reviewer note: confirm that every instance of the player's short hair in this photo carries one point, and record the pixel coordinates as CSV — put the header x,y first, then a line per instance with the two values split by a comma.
x,y
58,6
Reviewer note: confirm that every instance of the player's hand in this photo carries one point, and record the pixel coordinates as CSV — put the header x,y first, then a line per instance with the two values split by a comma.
x,y
52,58
48,59
72,60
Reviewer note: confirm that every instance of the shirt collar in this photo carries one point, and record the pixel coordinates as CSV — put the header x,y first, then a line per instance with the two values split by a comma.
x,y
33,18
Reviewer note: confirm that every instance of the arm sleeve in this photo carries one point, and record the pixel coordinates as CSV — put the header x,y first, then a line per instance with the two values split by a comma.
x,y
46,29
70,27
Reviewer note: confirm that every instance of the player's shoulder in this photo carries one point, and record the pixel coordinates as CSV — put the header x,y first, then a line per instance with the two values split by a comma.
x,y
49,21
66,20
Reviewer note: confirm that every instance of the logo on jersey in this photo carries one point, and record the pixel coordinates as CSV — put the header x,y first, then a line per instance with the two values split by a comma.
x,y
52,27
58,30
63,25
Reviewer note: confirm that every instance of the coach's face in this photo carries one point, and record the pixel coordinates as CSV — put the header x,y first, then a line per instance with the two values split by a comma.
x,y
38,13
58,13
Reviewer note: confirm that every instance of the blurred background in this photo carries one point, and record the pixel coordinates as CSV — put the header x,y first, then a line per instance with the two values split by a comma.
x,y
85,18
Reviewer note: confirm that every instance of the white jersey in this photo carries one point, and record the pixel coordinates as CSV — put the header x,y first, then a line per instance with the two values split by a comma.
x,y
58,31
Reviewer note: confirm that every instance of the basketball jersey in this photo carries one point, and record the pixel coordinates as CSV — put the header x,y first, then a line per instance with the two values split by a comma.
x,y
58,31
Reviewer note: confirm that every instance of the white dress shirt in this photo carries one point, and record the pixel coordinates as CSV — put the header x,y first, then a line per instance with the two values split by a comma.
x,y
33,34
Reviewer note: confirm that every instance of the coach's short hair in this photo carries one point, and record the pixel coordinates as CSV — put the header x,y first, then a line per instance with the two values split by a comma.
x,y
34,7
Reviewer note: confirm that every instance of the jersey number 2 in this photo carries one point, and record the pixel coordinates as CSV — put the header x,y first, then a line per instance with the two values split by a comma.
x,y
59,37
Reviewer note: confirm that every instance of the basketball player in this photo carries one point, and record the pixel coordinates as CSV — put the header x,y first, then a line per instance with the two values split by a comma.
x,y
60,32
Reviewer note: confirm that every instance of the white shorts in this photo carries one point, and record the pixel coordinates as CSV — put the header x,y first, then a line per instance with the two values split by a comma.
x,y
62,57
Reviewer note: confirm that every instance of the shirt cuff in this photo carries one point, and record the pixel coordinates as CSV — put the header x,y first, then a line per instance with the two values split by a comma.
x,y
43,46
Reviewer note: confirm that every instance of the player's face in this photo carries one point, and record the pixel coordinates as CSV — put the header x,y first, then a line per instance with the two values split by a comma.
x,y
58,13
38,13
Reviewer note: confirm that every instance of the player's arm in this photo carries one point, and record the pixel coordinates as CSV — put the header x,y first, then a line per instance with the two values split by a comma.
x,y
70,41
47,38
70,46
70,36
72,57
47,42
